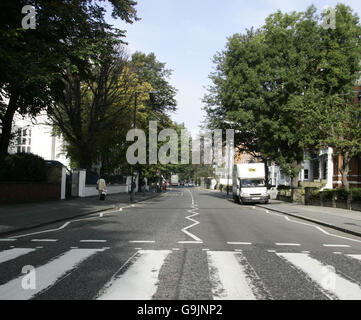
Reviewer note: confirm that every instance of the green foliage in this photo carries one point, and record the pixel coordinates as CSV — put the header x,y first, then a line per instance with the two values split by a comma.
x,y
23,167
33,62
286,88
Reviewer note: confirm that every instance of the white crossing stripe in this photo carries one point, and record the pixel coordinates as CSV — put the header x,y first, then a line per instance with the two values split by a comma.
x,y
46,275
7,240
334,285
44,240
140,280
288,244
102,241
228,277
14,253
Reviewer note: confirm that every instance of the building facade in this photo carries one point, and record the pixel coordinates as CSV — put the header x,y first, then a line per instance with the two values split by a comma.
x,y
36,136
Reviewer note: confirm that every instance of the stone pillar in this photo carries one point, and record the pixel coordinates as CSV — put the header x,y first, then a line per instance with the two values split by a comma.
x,y
329,184
82,177
63,183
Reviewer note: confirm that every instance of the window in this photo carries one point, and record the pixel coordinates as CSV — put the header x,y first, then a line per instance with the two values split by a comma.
x,y
306,174
23,140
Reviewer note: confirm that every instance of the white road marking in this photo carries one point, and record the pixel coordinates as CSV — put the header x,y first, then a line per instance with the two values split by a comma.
x,y
46,275
337,253
141,241
288,244
228,277
44,240
318,228
305,252
64,225
341,288
176,249
140,280
14,253
355,256
190,218
7,240
336,246
102,241
240,243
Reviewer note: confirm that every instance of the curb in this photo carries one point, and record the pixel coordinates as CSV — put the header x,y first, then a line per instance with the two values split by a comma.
x,y
313,220
10,232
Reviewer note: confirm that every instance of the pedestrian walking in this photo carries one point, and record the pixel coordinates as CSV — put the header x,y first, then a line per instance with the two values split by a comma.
x,y
221,187
101,186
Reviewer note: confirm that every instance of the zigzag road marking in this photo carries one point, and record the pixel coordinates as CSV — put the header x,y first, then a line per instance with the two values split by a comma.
x,y
190,218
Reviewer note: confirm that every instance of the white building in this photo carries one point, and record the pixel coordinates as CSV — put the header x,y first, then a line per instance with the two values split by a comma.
x,y
36,136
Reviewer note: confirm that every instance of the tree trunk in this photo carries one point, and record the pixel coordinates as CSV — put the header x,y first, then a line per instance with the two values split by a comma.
x,y
7,122
266,172
295,178
345,171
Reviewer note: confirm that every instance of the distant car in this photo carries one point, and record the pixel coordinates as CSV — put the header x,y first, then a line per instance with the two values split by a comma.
x,y
190,184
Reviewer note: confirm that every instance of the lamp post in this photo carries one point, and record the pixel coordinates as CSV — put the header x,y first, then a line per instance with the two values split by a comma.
x,y
132,186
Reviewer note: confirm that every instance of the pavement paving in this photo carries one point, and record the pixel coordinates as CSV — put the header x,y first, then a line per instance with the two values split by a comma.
x,y
186,244
19,217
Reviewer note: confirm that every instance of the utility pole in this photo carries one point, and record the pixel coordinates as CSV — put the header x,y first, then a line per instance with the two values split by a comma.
x,y
132,191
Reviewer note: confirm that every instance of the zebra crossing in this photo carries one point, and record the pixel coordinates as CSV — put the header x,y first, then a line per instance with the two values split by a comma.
x,y
232,275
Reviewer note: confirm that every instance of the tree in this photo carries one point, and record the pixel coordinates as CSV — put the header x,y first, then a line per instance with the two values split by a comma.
x,y
89,111
267,86
32,61
149,69
340,119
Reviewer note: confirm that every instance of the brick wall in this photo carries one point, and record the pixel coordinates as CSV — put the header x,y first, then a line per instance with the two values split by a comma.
x,y
21,192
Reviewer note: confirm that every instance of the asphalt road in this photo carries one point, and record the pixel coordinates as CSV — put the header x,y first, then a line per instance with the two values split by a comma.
x,y
186,244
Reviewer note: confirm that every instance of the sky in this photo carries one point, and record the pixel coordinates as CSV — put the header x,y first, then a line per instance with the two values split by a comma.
x,y
186,34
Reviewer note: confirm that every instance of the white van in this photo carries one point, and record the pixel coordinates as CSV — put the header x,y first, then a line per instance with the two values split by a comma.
x,y
249,184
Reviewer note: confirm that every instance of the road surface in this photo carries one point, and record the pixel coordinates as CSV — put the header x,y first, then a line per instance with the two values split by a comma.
x,y
186,244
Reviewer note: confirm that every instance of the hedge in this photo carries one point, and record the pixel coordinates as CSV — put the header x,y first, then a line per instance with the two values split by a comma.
x,y
23,167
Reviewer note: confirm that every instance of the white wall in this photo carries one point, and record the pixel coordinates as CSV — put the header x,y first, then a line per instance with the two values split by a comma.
x,y
89,191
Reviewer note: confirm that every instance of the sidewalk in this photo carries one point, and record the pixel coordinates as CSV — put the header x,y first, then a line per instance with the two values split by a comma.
x,y
340,219
20,217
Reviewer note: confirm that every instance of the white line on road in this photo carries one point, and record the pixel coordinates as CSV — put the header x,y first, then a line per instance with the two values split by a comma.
x,y
14,253
93,241
190,218
140,241
140,280
288,244
355,256
332,284
190,242
46,275
318,228
64,225
240,243
7,240
44,240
